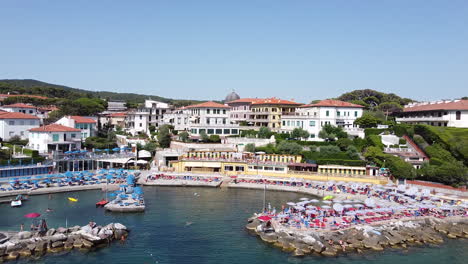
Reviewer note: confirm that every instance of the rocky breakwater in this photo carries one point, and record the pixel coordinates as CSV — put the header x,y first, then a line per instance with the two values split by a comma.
x,y
31,244
359,239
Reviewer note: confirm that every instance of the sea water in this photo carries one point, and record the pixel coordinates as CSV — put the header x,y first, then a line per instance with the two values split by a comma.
x,y
195,225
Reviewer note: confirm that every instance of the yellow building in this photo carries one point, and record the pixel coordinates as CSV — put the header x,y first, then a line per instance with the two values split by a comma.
x,y
268,112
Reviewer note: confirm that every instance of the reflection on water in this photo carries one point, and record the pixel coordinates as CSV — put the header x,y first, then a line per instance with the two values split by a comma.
x,y
180,227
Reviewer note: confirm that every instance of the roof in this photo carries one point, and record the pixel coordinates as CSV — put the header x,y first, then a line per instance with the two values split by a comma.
x,y
208,105
19,105
122,114
54,128
231,97
333,103
244,100
275,101
48,108
83,120
15,115
22,95
442,105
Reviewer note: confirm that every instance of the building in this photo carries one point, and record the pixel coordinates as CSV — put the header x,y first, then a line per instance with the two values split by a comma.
x,y
150,114
240,110
313,117
21,108
116,106
447,113
87,125
268,112
16,124
54,137
208,117
231,97
113,120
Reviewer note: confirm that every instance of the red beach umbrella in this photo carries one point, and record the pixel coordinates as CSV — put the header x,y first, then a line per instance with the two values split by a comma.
x,y
264,218
32,215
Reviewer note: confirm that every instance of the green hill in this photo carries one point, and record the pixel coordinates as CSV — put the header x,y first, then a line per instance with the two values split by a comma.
x,y
35,87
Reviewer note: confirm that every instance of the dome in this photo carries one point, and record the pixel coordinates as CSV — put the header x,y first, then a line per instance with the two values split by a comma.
x,y
231,97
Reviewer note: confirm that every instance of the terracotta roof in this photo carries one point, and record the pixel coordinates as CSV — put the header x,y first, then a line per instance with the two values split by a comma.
x,y
123,114
19,105
16,115
48,108
208,105
453,105
83,120
22,95
333,103
54,128
275,101
245,100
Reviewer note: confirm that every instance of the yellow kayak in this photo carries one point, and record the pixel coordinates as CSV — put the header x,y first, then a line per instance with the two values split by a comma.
x,y
72,199
328,197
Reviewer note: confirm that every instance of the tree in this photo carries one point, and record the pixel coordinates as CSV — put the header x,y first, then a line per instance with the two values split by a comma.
x,y
331,133
344,143
164,136
152,128
214,139
390,107
399,168
204,137
352,152
264,132
184,136
367,120
329,150
250,147
287,147
150,146
299,133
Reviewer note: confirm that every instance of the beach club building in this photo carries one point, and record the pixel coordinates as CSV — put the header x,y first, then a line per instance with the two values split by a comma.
x,y
446,113
16,124
54,137
87,125
313,117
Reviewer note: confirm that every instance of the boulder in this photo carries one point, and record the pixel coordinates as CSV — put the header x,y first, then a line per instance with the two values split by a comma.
x,y
25,252
329,252
13,247
58,237
12,256
74,229
269,237
57,244
24,235
31,246
78,243
41,246
120,226
87,244
119,233
2,250
68,246
62,230
298,253
50,232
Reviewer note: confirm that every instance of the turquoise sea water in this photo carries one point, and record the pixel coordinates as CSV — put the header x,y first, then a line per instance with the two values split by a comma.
x,y
180,227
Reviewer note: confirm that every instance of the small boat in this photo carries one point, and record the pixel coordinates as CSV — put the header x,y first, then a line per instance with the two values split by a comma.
x,y
17,202
71,199
102,203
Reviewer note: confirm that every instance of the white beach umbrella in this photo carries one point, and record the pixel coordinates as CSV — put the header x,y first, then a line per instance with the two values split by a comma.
x,y
300,208
348,206
347,201
338,207
358,205
327,202
291,204
304,199
369,202
326,207
314,201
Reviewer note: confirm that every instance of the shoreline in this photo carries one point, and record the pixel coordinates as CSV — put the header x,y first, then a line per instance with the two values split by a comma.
x,y
51,190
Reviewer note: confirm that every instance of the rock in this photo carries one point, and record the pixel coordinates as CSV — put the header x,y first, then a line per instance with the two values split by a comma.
x,y
86,229
25,252
119,233
74,229
68,246
50,232
13,247
31,246
62,230
12,256
298,253
269,237
58,237
78,243
329,252
24,235
120,226
87,244
2,250
95,231
41,246
57,244
452,236
309,240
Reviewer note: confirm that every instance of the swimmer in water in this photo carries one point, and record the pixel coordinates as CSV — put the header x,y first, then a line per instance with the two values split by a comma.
x,y
49,210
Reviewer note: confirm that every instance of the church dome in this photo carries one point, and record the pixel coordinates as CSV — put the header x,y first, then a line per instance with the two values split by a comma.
x,y
231,97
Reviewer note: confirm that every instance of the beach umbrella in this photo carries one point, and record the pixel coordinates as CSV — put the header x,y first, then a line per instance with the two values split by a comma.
x,y
311,206
314,201
71,199
328,197
97,150
311,211
326,207
116,149
338,207
264,218
358,205
291,204
282,215
351,213
304,199
300,208
84,151
347,201
327,202
347,206
32,215
369,202
68,152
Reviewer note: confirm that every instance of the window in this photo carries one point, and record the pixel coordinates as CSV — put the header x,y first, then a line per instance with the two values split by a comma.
x,y
141,117
73,135
55,137
141,124
228,168
355,113
22,122
289,123
327,113
226,131
298,123
207,111
11,123
11,133
224,121
85,126
337,113
312,123
239,168
219,131
458,115
312,135
224,111
210,131
279,169
30,111
193,130
234,131
202,131
207,121
284,123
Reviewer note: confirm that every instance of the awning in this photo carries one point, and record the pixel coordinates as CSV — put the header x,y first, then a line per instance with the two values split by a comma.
x,y
117,160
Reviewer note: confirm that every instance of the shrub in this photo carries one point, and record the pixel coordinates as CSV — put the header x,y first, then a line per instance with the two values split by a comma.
x,y
250,147
373,131
402,141
286,147
376,141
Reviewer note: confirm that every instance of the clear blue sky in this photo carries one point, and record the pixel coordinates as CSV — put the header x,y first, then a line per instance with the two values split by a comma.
x,y
300,49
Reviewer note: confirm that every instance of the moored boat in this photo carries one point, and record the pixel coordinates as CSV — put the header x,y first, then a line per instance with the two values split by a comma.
x,y
102,203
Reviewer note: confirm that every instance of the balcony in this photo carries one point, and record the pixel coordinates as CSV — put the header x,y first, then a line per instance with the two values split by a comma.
x,y
422,118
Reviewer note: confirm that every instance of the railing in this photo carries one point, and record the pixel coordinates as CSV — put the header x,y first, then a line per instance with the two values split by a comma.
x,y
421,118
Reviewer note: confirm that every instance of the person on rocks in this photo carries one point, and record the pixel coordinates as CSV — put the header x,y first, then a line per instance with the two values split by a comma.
x,y
22,227
343,246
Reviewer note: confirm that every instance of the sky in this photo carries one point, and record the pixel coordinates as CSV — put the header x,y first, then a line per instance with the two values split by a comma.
x,y
200,49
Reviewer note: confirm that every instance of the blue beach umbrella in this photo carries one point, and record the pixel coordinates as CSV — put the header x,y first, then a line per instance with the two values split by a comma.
x,y
116,149
97,150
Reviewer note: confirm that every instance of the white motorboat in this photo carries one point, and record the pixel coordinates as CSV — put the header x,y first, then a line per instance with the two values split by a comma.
x,y
16,203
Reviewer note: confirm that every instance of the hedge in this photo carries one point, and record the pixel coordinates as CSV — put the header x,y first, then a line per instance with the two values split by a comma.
x,y
373,131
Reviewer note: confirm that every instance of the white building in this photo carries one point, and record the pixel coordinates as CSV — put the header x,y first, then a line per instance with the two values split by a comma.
x,y
16,124
209,117
54,137
449,113
87,125
313,117
149,114
21,108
